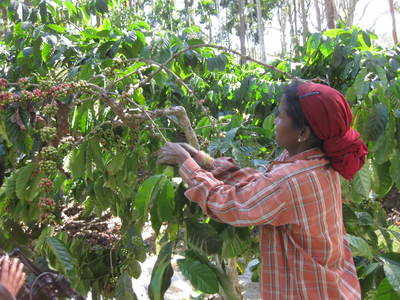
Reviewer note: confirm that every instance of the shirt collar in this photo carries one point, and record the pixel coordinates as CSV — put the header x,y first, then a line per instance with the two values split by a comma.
x,y
312,153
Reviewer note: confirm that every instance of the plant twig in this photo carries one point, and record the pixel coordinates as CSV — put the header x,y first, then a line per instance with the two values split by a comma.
x,y
167,70
180,113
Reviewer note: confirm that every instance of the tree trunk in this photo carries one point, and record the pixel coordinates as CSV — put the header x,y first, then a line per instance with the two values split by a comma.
x,y
260,23
242,31
282,23
292,29
394,31
293,26
210,35
318,13
189,12
304,22
350,11
4,16
294,11
330,13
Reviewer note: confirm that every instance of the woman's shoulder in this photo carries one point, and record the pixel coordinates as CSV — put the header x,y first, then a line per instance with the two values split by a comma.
x,y
298,165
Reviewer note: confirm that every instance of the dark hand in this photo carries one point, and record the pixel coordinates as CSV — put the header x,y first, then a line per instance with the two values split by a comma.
x,y
203,159
189,148
172,154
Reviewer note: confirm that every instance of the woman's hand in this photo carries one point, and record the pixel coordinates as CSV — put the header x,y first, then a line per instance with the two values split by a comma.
x,y
203,159
172,154
189,148
11,275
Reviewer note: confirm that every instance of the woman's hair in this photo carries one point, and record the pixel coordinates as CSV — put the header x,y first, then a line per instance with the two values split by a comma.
x,y
291,96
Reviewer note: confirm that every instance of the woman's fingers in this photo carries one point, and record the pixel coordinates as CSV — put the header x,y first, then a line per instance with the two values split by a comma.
x,y
5,266
19,270
21,281
13,267
12,276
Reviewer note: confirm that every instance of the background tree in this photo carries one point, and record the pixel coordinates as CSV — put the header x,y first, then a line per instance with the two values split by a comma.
x,y
331,13
394,29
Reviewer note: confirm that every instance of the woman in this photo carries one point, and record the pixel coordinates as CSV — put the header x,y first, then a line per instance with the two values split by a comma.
x,y
12,278
297,203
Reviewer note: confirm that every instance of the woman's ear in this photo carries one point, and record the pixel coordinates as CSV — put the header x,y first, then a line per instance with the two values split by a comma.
x,y
305,134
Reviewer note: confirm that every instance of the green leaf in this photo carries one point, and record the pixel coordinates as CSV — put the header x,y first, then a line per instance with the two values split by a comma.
x,y
101,6
80,117
116,163
385,291
233,245
391,267
161,274
61,253
359,246
369,269
201,276
165,201
382,179
57,28
22,180
245,87
386,144
94,152
395,168
8,188
363,181
395,233
217,63
203,237
144,195
313,43
124,289
77,161
134,268
19,138
377,122
269,125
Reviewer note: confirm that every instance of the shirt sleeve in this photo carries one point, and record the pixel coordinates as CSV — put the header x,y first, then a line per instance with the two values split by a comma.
x,y
221,168
252,199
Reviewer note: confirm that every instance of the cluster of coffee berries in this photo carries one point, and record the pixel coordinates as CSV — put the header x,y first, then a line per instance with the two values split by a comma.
x,y
46,203
27,96
49,152
3,83
60,90
48,133
50,109
46,184
47,218
81,86
23,82
7,97
48,166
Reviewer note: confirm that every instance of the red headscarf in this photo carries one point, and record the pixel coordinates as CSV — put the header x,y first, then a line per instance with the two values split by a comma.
x,y
329,116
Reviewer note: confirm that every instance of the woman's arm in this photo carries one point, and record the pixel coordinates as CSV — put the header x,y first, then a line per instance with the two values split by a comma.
x,y
251,199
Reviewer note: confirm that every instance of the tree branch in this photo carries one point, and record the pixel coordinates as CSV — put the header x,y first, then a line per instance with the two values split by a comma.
x,y
180,113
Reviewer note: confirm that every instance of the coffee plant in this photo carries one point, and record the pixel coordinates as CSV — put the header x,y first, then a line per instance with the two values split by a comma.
x,y
84,109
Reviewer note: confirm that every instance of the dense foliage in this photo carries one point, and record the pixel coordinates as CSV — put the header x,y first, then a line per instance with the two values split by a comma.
x,y
84,108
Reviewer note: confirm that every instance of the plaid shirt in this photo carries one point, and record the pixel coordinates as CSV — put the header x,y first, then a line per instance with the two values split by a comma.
x,y
297,204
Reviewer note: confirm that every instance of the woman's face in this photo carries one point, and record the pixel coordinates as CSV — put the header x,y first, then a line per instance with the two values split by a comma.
x,y
286,134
